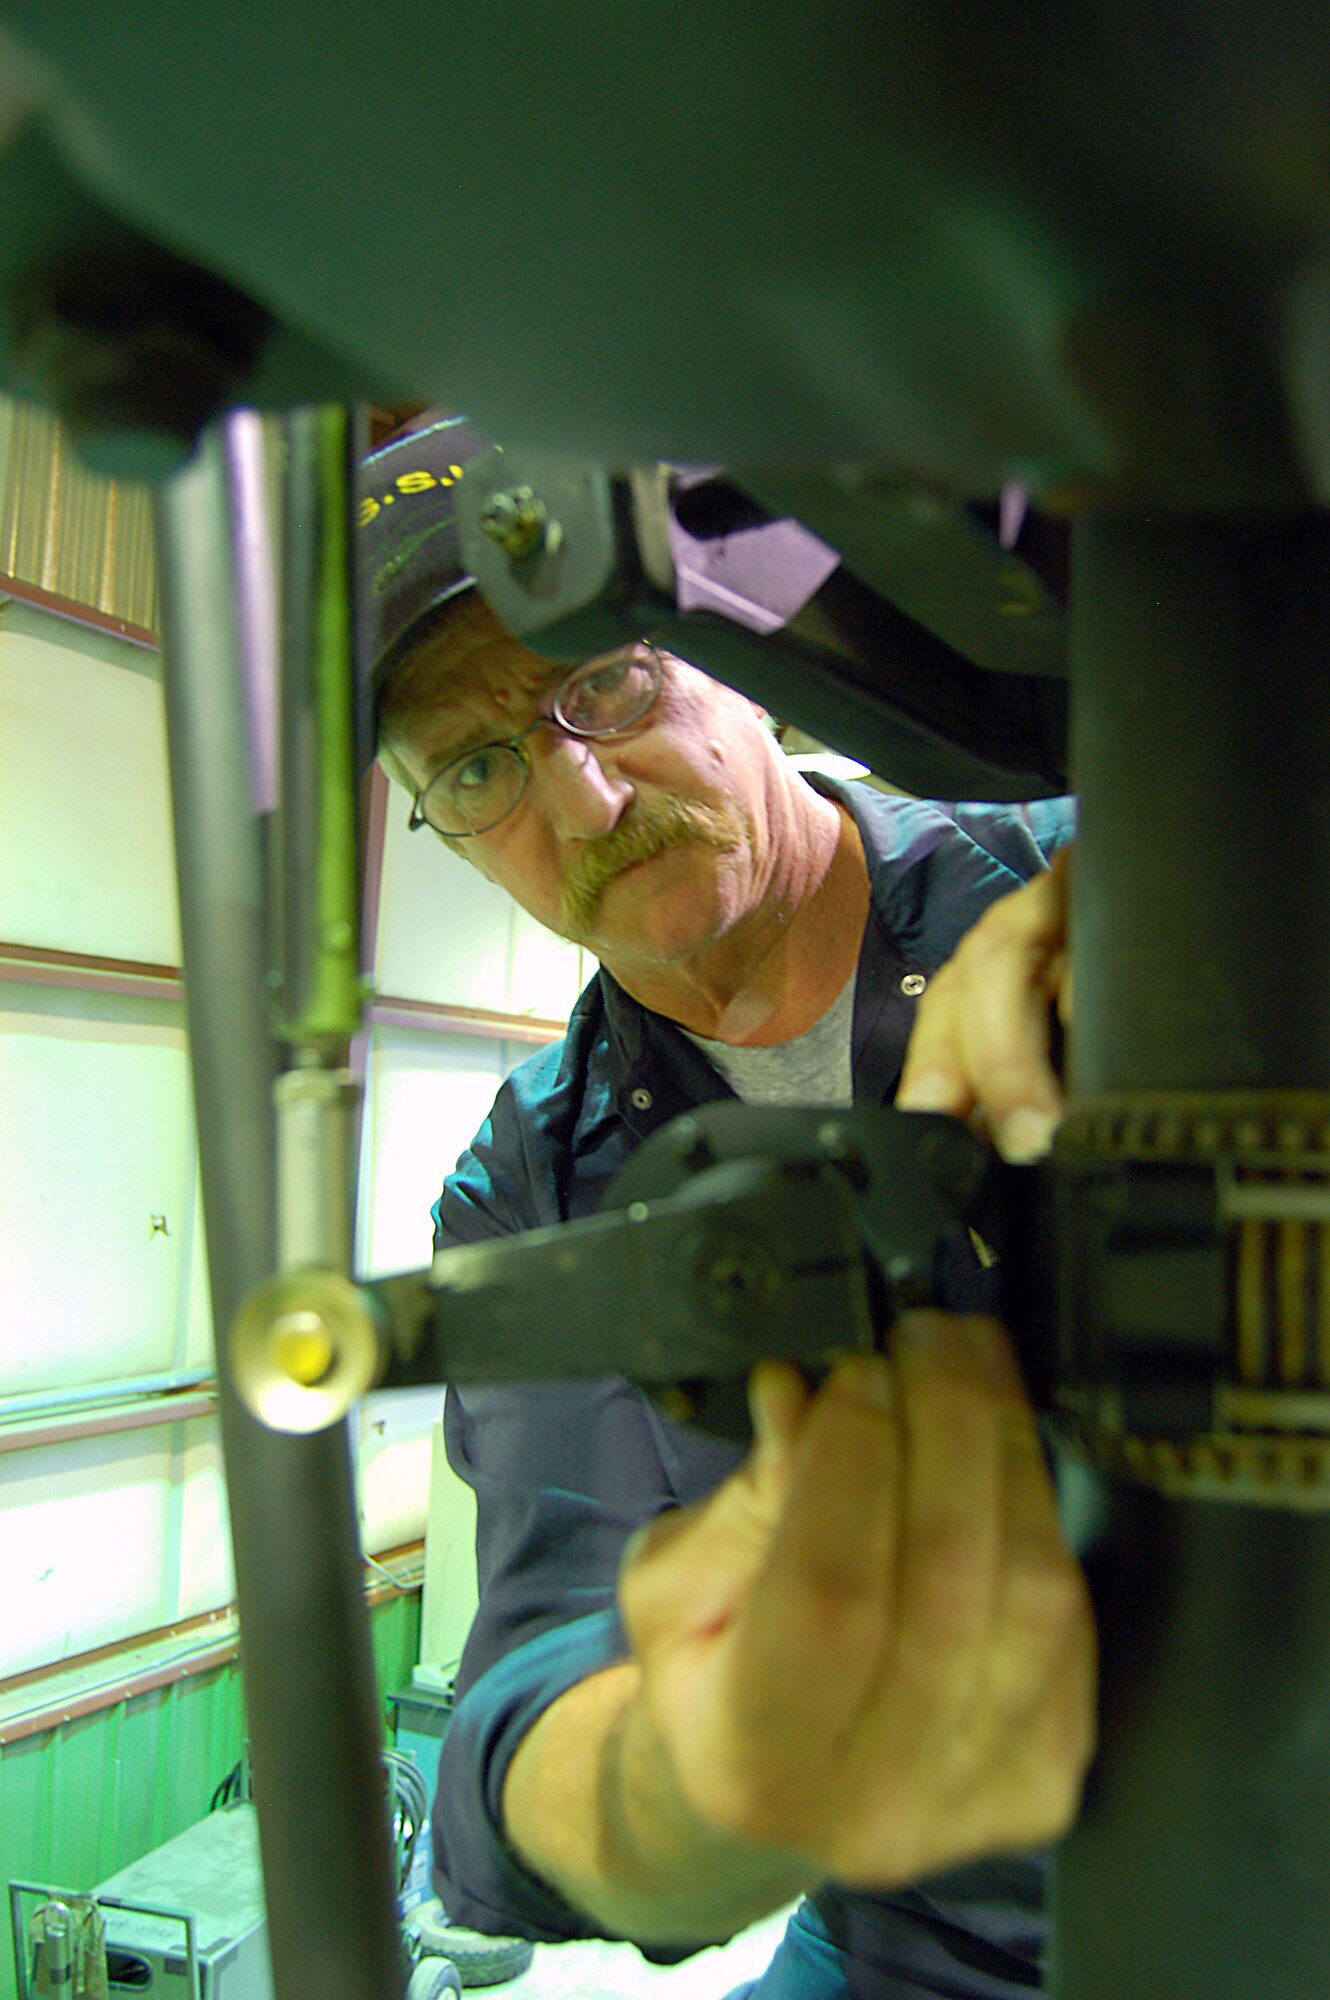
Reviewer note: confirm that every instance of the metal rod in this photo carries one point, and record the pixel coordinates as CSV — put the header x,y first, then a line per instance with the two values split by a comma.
x,y
1201,750
37,965
256,600
63,1402
40,1433
1201,1862
46,958
432,1017
317,847
14,588
313,1709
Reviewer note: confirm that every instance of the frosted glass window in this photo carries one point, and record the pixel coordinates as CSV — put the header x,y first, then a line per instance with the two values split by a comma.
x,y
95,1538
396,1427
98,1187
198,1354
206,1578
83,793
546,973
426,1096
446,934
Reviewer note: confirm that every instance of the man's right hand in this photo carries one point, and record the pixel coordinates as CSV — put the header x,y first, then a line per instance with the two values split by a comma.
x,y
871,1648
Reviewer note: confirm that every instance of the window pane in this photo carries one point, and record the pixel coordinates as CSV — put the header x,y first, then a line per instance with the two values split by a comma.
x,y
394,1464
98,1187
446,934
206,1579
83,793
105,1537
426,1096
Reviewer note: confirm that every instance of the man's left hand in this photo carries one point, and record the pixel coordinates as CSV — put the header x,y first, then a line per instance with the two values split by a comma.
x,y
982,1039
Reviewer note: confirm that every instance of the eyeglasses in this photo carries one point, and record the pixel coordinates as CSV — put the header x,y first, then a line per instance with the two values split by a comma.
x,y
600,698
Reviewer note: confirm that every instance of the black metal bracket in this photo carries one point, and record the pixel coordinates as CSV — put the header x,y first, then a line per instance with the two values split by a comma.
x,y
575,559
738,1232
734,1233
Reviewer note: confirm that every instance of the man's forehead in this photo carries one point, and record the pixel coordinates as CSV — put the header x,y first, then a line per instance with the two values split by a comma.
x,y
469,682
471,658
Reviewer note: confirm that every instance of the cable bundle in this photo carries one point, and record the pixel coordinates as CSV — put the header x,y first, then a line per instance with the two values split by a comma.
x,y
408,1807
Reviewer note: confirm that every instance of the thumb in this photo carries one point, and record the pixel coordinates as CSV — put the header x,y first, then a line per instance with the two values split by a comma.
x,y
690,1568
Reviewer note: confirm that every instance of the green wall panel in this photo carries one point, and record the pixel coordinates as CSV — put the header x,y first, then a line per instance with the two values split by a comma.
x,y
81,1801
395,1631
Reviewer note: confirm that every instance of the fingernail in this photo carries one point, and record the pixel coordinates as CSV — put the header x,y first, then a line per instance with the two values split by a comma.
x,y
935,1335
930,1091
868,1377
1025,1135
764,1430
925,1333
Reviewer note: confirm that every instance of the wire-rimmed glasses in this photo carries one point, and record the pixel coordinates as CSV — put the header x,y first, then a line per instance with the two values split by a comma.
x,y
601,698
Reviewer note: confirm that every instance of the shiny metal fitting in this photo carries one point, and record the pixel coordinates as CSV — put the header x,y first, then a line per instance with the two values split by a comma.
x,y
305,1347
515,519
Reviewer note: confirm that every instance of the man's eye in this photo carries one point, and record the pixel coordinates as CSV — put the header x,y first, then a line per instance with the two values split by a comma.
x,y
605,680
472,774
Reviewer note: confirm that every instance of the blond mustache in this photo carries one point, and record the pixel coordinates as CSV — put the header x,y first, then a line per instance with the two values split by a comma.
x,y
648,830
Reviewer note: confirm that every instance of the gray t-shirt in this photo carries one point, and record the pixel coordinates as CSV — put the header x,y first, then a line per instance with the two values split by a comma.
x,y
814,1068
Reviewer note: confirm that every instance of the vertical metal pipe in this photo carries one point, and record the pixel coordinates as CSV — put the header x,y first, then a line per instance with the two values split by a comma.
x,y
1200,1865
1201,751
317,828
309,1677
256,598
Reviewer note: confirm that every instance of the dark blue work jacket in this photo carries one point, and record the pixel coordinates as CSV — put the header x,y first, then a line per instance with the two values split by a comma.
x,y
564,1473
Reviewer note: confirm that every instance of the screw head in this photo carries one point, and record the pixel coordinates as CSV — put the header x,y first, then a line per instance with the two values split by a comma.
x,y
688,1143
516,521
737,1280
839,1150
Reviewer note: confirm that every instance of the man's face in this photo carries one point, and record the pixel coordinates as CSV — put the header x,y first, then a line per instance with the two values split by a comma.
x,y
643,847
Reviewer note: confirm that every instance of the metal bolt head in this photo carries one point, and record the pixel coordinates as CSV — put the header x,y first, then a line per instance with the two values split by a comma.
x,y
688,1143
736,1279
908,1283
839,1150
515,520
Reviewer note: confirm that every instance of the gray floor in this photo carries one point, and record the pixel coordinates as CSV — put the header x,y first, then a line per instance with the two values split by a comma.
x,y
618,1972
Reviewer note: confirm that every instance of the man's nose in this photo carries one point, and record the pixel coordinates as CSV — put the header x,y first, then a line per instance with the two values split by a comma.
x,y
583,797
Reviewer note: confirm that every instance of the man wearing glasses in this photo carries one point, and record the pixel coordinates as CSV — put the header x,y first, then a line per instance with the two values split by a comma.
x,y
858,1665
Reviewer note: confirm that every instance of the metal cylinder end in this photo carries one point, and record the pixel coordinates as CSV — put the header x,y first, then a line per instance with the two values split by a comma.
x,y
305,1347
